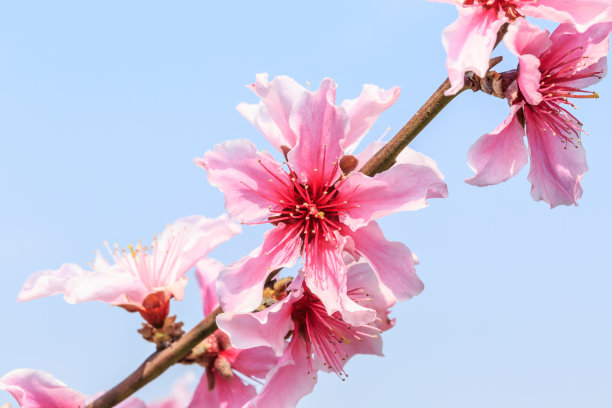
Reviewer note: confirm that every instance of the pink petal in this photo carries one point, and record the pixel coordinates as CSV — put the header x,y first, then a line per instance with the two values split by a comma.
x,y
49,282
556,172
197,236
255,362
583,15
239,170
133,403
107,284
38,389
528,42
325,276
320,127
289,381
207,272
364,111
380,298
271,115
180,396
498,155
114,285
392,261
404,187
469,42
265,328
240,285
591,45
228,393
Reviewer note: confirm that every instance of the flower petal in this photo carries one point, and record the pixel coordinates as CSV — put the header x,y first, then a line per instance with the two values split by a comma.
x,y
227,393
197,236
592,46
499,155
239,171
556,168
469,42
255,362
404,187
289,381
320,127
265,328
271,115
380,298
49,282
38,389
392,261
207,273
584,15
325,276
240,285
364,111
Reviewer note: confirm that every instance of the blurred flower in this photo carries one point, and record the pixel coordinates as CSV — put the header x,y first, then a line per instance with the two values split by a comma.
x,y
469,41
141,279
319,207
551,71
38,389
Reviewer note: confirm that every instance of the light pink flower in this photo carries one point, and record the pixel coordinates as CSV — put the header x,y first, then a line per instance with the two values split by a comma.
x,y
141,279
317,210
220,386
469,41
551,70
38,389
318,341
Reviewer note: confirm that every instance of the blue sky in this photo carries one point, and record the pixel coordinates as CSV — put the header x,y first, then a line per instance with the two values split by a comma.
x,y
103,106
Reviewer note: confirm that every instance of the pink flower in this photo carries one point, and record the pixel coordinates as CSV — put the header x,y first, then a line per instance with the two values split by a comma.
x,y
317,206
318,341
220,385
551,70
469,41
142,279
38,389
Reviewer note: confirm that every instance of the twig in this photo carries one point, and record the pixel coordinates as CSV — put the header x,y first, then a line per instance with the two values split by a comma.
x,y
157,363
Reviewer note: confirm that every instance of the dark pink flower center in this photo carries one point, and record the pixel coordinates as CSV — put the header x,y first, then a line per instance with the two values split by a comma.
x,y
313,208
508,7
327,336
556,87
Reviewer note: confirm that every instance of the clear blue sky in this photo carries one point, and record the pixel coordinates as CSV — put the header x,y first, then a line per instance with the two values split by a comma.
x,y
104,105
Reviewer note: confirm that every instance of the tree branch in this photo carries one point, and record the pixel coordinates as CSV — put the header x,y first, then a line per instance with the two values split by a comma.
x,y
157,363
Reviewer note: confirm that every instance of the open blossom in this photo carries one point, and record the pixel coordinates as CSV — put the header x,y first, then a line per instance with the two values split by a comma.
x,y
552,70
317,341
318,207
221,386
142,279
38,389
470,40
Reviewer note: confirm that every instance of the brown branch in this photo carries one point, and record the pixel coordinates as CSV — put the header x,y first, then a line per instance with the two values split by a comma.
x,y
157,363
385,157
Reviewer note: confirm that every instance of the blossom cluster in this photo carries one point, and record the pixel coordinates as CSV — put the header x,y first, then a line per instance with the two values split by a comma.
x,y
278,329
553,68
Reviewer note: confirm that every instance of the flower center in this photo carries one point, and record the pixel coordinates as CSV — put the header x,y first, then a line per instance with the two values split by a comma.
x,y
508,7
557,85
312,208
325,335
